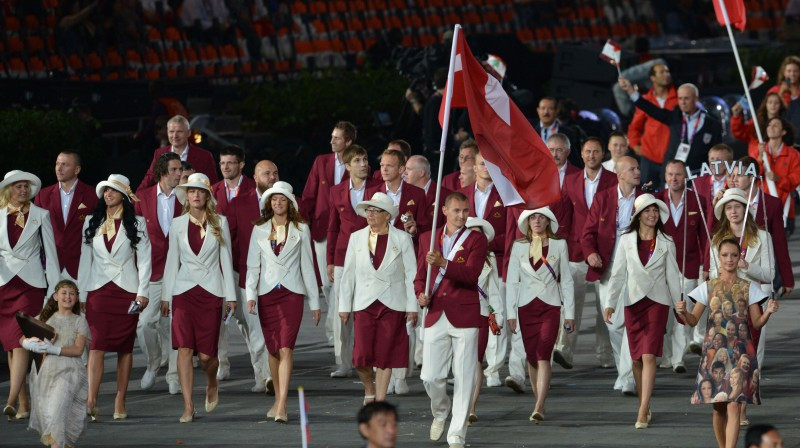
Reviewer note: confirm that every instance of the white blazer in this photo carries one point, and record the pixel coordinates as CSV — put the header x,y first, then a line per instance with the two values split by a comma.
x,y
23,260
489,282
659,280
760,266
523,283
265,271
392,283
128,270
211,268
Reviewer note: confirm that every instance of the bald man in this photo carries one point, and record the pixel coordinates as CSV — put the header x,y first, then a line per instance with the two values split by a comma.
x,y
609,216
242,212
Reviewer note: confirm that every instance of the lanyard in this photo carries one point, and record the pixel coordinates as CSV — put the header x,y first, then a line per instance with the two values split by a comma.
x,y
549,268
652,249
684,137
744,244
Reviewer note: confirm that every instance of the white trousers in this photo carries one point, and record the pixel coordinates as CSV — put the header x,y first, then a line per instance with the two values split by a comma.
x,y
677,337
497,347
154,331
250,328
446,345
616,332
321,255
342,334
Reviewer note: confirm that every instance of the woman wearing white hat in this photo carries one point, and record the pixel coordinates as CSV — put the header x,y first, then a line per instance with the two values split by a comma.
x,y
382,301
198,277
280,271
114,273
539,284
25,231
491,306
645,262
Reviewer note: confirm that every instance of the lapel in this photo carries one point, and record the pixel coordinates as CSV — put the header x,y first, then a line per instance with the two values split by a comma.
x,y
32,224
494,197
327,171
4,228
55,198
121,235
392,251
73,206
292,239
748,257
582,190
185,238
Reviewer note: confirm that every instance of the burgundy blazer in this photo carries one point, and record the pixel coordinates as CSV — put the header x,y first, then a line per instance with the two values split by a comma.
x,y
703,186
457,295
600,230
147,208
343,220
696,239
222,198
242,213
412,199
315,205
68,236
495,214
200,159
451,181
576,211
430,197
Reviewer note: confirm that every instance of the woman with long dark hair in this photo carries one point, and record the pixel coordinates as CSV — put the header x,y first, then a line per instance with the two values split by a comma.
x,y
280,272
645,263
25,232
113,279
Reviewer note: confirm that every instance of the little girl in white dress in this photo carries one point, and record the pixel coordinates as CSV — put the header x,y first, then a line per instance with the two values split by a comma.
x,y
59,391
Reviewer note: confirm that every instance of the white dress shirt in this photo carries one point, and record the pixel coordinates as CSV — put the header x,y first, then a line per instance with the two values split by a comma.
x,y
447,245
231,193
610,165
482,197
66,199
166,208
624,210
717,185
590,187
338,169
357,194
562,171
676,211
754,206
185,154
693,123
548,131
428,185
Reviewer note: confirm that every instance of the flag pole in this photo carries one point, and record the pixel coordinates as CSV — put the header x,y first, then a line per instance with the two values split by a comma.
x,y
771,258
705,223
685,213
746,211
303,417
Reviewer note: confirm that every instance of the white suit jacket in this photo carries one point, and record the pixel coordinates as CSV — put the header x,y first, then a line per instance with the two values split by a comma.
x,y
23,260
489,282
211,268
128,270
760,263
523,283
292,269
659,280
392,283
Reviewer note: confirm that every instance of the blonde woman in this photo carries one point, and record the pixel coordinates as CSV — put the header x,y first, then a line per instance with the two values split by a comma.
x,y
25,232
198,278
114,275
280,272
539,286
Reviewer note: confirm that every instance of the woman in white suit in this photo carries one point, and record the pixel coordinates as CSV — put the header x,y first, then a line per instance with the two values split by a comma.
x,y
645,261
539,284
382,301
280,272
198,277
114,273
25,231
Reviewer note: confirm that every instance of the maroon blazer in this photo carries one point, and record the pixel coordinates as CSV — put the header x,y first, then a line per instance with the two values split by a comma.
x,y
242,213
495,214
696,239
576,210
430,197
344,220
315,205
457,295
68,236
704,189
201,160
451,181
222,198
147,207
600,230
412,199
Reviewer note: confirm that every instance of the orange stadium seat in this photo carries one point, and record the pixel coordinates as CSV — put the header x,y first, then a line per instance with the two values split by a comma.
x,y
354,45
355,24
15,45
433,19
75,63
35,44
12,24
31,22
319,7
55,62
113,58
93,61
336,24
338,6
36,67
16,68
299,7
357,6
51,20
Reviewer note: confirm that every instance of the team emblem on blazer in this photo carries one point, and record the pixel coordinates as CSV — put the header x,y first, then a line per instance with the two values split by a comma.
x,y
341,209
82,205
323,182
496,214
460,260
706,138
410,203
460,248
602,219
81,217
691,223
498,204
692,213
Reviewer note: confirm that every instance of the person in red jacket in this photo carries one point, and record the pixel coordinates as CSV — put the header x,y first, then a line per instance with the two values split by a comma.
x,y
772,106
466,159
178,132
234,182
784,164
648,137
787,84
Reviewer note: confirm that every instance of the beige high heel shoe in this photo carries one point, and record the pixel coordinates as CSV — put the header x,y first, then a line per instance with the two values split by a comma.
x,y
10,412
188,419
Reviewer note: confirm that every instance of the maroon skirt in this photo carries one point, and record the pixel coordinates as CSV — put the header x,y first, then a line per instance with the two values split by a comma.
x,y
17,295
112,328
196,319
380,338
539,324
280,312
646,322
483,341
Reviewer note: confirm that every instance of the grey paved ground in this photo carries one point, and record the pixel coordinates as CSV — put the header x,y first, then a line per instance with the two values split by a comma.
x,y
583,410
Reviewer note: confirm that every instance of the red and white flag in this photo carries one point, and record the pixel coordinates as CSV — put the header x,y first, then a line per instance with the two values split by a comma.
x,y
612,52
760,76
521,166
737,15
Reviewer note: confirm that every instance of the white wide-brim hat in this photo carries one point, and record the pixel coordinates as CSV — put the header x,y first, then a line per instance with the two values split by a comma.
x,y
731,194
524,226
487,228
283,188
379,200
15,176
646,200
196,180
117,182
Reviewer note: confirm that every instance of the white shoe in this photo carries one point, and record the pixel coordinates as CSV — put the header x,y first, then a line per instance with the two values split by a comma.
x,y
665,365
437,429
390,388
148,380
195,362
174,387
493,381
629,390
516,385
456,445
341,372
400,387
259,387
223,373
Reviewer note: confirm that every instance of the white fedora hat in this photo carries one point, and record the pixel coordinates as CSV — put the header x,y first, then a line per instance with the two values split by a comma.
x,y
117,182
15,176
487,228
646,200
196,180
523,225
379,200
283,188
731,194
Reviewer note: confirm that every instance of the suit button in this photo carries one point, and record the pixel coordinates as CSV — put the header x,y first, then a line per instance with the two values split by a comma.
x,y
444,294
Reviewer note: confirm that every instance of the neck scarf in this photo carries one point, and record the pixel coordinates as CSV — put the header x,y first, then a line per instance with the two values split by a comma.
x,y
109,227
20,221
200,223
535,250
278,232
